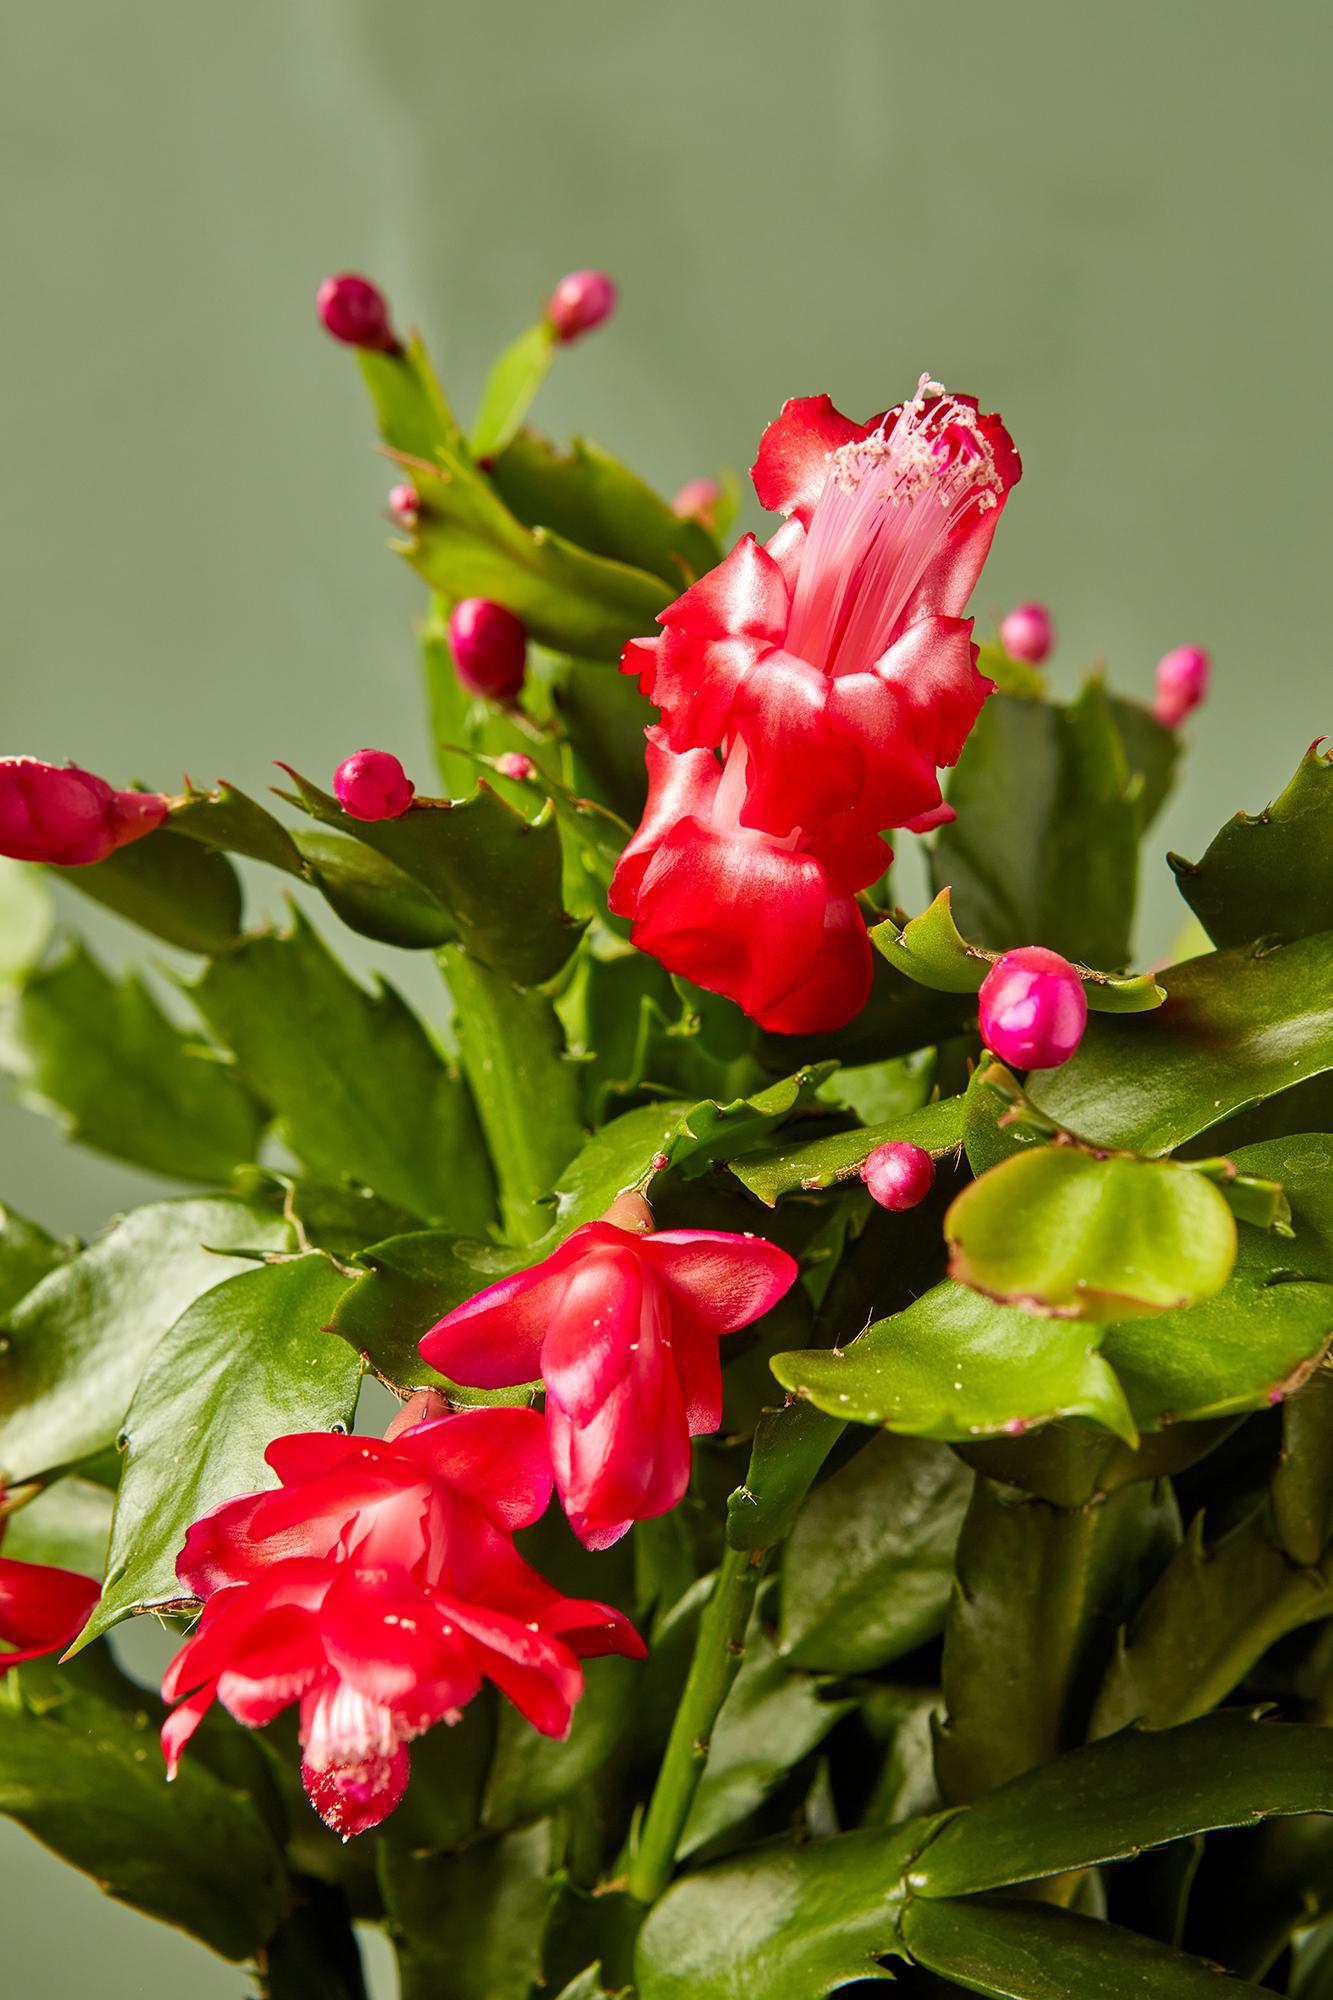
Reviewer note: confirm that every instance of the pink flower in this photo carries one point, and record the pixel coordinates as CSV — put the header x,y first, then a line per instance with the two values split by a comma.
x,y
898,1175
372,784
1033,1008
580,302
514,764
42,1609
623,1328
355,312
61,814
839,652
378,1587
490,648
404,505
770,921
1026,633
1182,683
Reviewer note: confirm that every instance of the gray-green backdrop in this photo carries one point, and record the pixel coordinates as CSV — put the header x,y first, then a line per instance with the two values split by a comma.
x,y
1111,223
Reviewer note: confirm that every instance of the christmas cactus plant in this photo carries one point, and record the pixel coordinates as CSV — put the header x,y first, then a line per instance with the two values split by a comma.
x,y
857,1496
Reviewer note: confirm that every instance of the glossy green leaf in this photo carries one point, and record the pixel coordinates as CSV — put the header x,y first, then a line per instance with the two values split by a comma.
x,y
169,885
249,1361
75,1346
468,1924
410,1281
868,1568
525,1087
358,1086
586,496
818,1162
27,915
370,894
98,1053
68,1524
1303,1482
931,949
1257,1888
530,1774
496,874
781,1921
1269,875
1106,1801
1041,1594
790,1445
515,377
1060,1231
899,1017
228,820
314,1949
604,716
1152,750
1030,1951
410,405
87,1778
956,1366
1045,846
1237,1026
27,1253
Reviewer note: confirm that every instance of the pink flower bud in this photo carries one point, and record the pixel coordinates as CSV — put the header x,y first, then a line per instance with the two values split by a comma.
x,y
354,311
513,764
372,784
580,302
1033,1008
61,814
1026,633
898,1175
489,646
405,505
698,500
423,1406
1182,683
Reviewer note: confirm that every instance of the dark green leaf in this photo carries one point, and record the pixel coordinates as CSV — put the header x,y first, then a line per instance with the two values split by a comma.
x,y
1238,1026
68,1524
604,717
1060,1231
409,1283
357,1083
1303,1482
531,1774
1152,749
371,896
313,1953
777,1170
27,1253
409,403
1030,1951
228,820
586,496
790,1445
74,1348
1270,876
101,1055
931,949
899,1016
1041,1593
169,885
514,380
868,1568
249,1361
468,1924
88,1779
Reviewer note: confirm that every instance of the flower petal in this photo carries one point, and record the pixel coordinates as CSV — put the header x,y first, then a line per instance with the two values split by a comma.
x,y
794,453
745,596
722,1281
42,1609
498,1458
839,984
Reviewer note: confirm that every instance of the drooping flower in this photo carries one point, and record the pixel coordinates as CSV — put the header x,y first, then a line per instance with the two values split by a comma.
x,y
622,1326
378,1587
490,648
42,1609
1033,1008
61,814
770,921
839,652
372,784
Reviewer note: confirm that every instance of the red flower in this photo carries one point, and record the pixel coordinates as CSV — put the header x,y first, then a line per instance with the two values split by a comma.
x,y
770,922
379,1587
839,652
58,813
42,1609
623,1329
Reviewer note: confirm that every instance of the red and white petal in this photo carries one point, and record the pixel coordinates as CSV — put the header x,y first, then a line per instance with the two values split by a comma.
x,y
494,1341
589,1343
721,1280
539,1674
497,1458
181,1724
681,786
794,454
839,985
933,666
355,1768
798,769
385,1638
744,597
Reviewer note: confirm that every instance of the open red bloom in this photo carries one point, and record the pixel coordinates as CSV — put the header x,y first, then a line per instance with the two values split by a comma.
x,y
839,653
378,1587
42,1609
623,1329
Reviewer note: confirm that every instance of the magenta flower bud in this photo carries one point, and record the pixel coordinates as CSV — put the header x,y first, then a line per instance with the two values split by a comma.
x,y
1182,683
513,764
580,302
355,312
489,646
1033,1008
372,784
898,1175
67,816
1026,633
405,505
698,500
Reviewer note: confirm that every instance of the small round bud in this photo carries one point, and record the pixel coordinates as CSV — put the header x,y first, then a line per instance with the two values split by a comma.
x,y
630,1211
1182,683
489,646
513,764
421,1407
1033,1008
898,1175
580,302
698,500
405,506
372,784
1026,633
67,816
354,311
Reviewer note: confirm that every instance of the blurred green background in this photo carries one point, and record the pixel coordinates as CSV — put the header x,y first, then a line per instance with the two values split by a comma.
x,y
1108,223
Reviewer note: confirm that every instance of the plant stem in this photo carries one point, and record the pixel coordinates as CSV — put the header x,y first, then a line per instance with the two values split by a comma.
x,y
718,1653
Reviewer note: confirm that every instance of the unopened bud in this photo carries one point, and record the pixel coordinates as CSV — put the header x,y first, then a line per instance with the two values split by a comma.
x,y
898,1175
372,784
405,505
630,1211
355,312
1026,633
513,764
489,646
581,301
698,500
61,814
1033,1008
421,1407
1182,683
